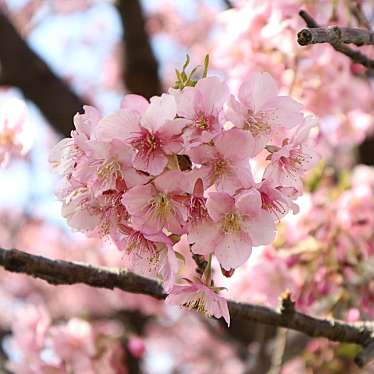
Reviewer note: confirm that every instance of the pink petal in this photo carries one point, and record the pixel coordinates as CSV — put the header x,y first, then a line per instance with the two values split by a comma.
x,y
211,93
161,109
218,204
185,102
235,144
283,111
258,90
153,164
135,103
202,154
204,237
261,228
170,181
118,125
249,202
233,250
137,198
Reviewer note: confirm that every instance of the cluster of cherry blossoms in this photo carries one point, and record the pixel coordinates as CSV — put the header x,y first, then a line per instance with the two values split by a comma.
x,y
15,138
181,164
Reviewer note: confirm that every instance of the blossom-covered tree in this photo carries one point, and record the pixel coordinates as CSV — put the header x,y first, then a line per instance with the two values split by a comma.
x,y
217,211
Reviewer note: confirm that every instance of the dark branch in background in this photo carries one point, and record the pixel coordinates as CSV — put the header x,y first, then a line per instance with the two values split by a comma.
x,y
366,149
140,65
63,272
228,4
357,12
23,68
354,55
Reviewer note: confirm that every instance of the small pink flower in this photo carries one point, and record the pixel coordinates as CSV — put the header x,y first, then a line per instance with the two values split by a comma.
x,y
294,158
236,225
202,106
67,153
106,165
226,164
158,205
150,255
151,130
276,199
201,298
261,111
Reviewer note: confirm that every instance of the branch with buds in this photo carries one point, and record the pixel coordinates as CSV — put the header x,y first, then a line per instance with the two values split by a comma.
x,y
58,272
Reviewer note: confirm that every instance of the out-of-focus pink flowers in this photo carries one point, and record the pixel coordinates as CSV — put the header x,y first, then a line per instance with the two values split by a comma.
x,y
198,296
75,346
15,136
136,347
155,170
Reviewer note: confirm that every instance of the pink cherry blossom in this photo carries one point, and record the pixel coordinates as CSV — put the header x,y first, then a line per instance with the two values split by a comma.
x,y
151,130
294,158
158,205
277,200
200,297
223,164
236,225
150,255
65,154
202,106
261,111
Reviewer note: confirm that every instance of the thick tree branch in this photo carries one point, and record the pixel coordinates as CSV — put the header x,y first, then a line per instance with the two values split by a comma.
x,y
140,65
23,68
335,34
63,272
354,55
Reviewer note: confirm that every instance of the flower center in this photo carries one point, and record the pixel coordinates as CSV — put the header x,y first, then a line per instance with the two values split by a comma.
x,y
204,121
219,167
256,125
109,168
198,302
161,205
145,143
231,223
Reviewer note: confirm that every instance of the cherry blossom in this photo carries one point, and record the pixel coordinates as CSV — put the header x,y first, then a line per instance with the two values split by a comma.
x,y
200,297
156,174
202,106
261,111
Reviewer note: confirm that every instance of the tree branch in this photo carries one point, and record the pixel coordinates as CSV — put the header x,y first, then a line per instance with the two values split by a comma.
x,y
64,272
140,65
353,54
335,34
23,68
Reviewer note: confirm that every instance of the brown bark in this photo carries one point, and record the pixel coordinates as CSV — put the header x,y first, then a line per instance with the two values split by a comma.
x,y
63,272
140,65
23,68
